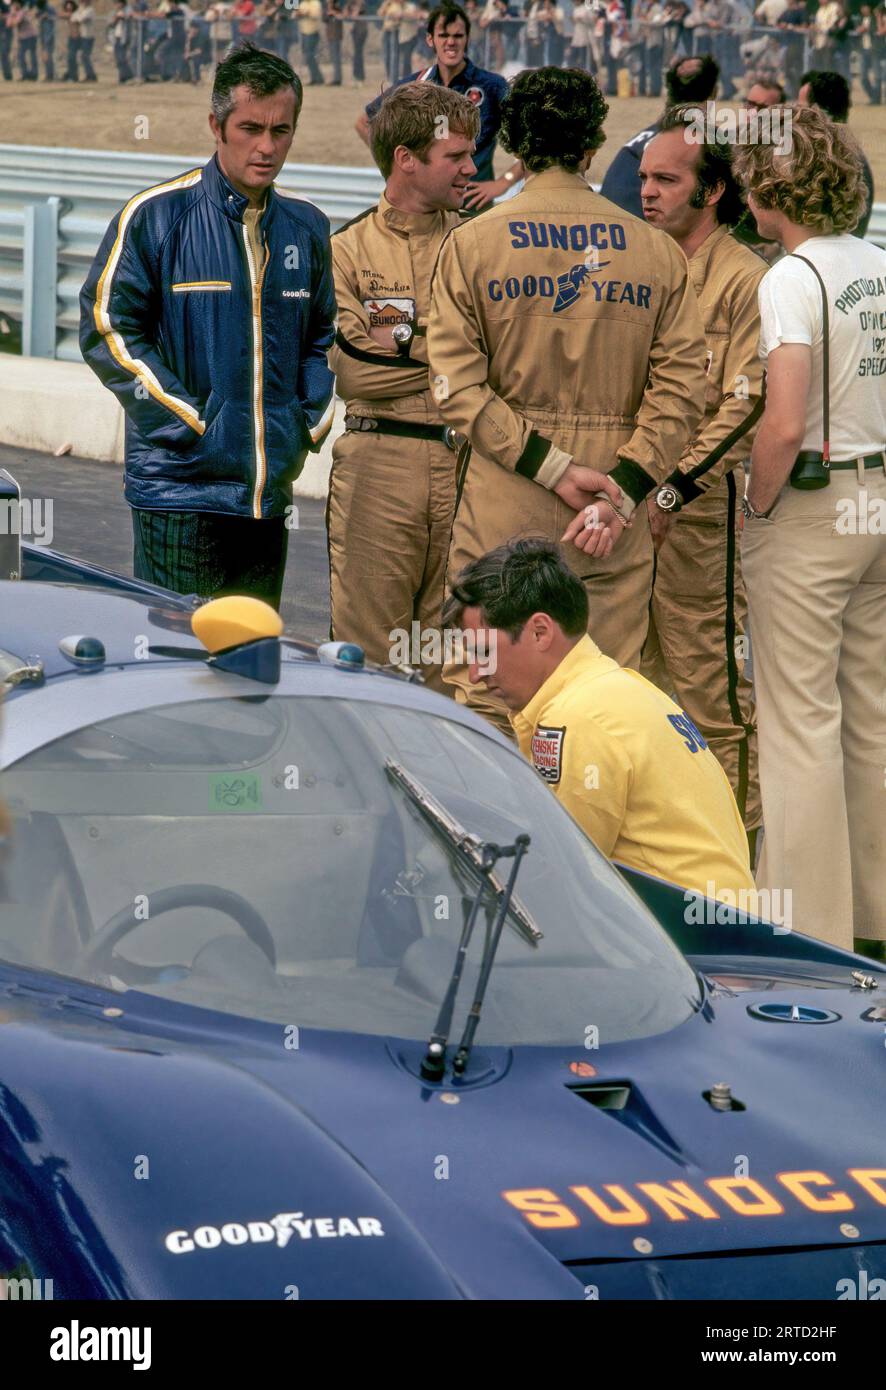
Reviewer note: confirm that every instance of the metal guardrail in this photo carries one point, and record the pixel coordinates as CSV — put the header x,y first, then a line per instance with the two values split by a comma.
x,y
55,205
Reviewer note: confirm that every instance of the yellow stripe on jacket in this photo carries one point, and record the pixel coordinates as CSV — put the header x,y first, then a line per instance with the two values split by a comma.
x,y
115,341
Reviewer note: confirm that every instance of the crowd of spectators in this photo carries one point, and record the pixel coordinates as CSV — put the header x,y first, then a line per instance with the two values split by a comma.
x,y
626,44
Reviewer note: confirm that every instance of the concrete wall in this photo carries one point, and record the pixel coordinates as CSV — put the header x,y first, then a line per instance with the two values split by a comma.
x,y
45,405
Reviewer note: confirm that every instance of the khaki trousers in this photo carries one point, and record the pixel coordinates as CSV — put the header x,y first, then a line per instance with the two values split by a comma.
x,y
695,647
816,579
389,518
496,506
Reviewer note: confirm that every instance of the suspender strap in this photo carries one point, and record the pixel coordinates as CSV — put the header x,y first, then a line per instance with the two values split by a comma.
x,y
825,361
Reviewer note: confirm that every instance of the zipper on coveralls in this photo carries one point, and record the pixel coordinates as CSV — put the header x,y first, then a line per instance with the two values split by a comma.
x,y
258,417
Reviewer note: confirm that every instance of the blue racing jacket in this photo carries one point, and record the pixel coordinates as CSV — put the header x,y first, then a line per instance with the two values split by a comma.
x,y
220,364
621,184
485,90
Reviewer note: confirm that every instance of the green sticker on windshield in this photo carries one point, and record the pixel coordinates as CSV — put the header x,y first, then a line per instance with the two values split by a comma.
x,y
238,792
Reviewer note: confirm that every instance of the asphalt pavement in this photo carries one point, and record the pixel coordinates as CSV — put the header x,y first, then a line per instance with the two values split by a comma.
x,y
90,519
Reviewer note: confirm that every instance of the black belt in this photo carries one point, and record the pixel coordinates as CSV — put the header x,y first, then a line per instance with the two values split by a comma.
x,y
868,461
441,434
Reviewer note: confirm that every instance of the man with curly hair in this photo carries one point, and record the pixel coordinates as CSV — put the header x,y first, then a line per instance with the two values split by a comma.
x,y
814,542
831,93
565,341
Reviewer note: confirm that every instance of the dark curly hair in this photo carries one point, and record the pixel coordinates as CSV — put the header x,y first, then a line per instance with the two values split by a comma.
x,y
714,167
830,91
692,79
552,116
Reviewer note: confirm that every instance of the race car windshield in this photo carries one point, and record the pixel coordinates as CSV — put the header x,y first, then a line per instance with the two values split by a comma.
x,y
253,856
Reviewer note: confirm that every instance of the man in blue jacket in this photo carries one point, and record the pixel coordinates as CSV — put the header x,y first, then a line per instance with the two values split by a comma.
x,y
208,312
688,81
447,35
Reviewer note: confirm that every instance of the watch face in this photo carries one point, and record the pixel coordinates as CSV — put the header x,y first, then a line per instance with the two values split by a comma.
x,y
402,333
666,498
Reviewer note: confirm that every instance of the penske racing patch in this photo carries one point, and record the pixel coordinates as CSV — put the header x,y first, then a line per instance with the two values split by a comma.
x,y
547,753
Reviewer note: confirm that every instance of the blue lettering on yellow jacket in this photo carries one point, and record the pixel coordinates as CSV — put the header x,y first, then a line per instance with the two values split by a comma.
x,y
576,236
688,732
568,289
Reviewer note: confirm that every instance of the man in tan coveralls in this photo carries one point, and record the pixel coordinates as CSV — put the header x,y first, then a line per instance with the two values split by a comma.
x,y
392,489
565,340
696,644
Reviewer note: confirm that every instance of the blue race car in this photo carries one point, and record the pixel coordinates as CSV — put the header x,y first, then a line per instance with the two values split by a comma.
x,y
310,988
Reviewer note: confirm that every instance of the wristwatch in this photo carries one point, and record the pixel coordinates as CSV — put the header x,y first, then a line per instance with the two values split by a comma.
x,y
749,510
668,499
402,335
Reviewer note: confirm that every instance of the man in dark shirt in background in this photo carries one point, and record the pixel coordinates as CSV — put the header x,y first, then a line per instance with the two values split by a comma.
x,y
447,36
686,80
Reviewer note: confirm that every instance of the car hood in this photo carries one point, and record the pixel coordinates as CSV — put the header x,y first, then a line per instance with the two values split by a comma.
x,y
207,1156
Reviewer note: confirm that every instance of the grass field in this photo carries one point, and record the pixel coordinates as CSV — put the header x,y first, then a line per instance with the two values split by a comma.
x,y
106,116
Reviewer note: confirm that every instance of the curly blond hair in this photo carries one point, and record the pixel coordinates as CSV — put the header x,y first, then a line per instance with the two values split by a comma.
x,y
814,175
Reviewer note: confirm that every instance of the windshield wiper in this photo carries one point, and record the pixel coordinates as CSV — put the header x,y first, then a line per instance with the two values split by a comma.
x,y
517,850
482,856
468,846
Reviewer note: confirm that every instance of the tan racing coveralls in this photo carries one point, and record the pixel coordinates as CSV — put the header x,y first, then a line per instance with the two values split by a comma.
x,y
697,641
562,328
391,499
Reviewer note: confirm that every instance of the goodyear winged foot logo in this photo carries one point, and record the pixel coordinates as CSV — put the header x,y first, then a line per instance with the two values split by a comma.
x,y
571,283
280,1229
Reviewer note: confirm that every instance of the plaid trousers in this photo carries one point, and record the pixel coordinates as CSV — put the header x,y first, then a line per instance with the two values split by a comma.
x,y
210,554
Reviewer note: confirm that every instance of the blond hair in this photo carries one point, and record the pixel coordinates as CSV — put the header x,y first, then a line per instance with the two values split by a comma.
x,y
815,177
414,114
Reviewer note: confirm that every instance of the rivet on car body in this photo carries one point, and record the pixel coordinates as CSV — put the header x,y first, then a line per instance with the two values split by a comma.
x,y
448,1098
643,1246
112,1013
849,1231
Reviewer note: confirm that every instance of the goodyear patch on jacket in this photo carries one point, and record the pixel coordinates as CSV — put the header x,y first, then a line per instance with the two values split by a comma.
x,y
547,753
569,287
387,313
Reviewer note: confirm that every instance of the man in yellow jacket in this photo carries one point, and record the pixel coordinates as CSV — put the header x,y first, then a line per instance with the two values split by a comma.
x,y
624,760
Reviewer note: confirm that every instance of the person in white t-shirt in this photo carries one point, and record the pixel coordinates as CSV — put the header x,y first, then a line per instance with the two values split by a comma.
x,y
814,558
770,12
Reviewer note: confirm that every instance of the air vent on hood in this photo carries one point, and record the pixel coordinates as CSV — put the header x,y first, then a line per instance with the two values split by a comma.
x,y
606,1095
624,1102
